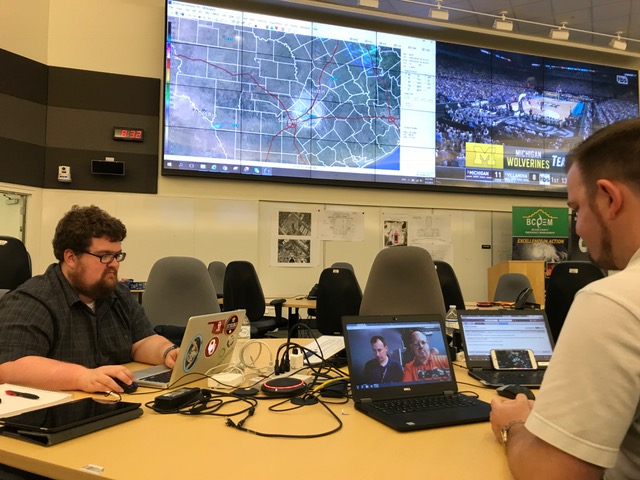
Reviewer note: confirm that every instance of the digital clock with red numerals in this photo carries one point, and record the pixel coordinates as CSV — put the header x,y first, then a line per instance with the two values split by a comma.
x,y
131,134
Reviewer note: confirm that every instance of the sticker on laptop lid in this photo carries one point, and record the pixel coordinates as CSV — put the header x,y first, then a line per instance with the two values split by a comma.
x,y
193,352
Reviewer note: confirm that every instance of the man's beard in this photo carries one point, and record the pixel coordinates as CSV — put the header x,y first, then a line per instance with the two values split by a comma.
x,y
99,290
605,261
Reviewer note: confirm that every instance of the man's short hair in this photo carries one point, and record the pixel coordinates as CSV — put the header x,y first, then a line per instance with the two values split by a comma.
x,y
77,229
612,152
375,338
424,334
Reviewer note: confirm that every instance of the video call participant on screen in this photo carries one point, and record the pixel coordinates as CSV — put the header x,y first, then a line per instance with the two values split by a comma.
x,y
381,369
585,422
426,362
70,328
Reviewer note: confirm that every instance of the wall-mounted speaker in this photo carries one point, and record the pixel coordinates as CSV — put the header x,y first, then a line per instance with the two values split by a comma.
x,y
107,167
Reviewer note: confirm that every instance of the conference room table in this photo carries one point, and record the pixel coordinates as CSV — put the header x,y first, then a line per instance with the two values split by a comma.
x,y
159,446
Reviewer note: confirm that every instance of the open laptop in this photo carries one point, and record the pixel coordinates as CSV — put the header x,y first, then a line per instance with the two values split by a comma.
x,y
484,330
393,398
208,342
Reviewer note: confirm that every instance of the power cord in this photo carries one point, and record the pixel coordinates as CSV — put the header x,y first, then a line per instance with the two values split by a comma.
x,y
198,401
249,361
240,425
475,386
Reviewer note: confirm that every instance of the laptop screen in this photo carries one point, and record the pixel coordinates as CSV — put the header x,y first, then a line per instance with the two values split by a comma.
x,y
502,329
386,354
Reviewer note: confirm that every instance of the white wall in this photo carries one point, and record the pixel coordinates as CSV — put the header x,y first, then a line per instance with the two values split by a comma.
x,y
241,229
25,28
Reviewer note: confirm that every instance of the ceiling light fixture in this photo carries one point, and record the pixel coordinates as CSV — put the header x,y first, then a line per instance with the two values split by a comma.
x,y
617,42
560,33
368,3
439,13
502,23
506,24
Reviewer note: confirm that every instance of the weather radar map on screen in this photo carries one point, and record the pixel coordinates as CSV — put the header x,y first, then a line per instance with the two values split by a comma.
x,y
255,95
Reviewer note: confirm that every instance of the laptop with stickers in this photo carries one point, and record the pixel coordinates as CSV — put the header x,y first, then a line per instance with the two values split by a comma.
x,y
484,330
207,343
401,373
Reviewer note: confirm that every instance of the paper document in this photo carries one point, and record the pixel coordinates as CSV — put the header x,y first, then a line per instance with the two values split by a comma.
x,y
18,399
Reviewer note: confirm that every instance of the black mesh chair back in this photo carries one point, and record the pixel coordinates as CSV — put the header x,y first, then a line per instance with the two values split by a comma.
x,y
339,294
343,265
312,311
15,263
451,291
564,282
242,289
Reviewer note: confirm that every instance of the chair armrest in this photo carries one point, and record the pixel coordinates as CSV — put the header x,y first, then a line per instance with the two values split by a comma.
x,y
277,303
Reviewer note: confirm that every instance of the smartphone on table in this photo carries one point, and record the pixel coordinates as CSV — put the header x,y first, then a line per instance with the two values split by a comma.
x,y
510,359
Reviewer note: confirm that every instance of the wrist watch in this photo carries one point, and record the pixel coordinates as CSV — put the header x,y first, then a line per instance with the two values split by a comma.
x,y
504,433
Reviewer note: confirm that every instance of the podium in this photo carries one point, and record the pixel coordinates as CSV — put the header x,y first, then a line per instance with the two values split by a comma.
x,y
534,269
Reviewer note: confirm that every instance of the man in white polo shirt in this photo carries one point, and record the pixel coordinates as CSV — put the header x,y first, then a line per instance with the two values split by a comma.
x,y
585,422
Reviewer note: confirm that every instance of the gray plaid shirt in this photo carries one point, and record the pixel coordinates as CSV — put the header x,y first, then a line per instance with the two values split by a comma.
x,y
45,317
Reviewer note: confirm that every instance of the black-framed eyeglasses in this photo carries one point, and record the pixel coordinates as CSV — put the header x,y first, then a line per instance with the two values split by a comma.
x,y
109,257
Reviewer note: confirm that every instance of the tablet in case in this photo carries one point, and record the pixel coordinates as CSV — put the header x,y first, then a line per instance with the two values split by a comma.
x,y
52,425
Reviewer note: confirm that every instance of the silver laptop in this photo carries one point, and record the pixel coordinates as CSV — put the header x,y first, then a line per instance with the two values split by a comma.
x,y
208,342
484,330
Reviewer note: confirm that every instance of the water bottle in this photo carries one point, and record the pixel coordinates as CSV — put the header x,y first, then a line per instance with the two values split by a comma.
x,y
451,320
452,328
245,329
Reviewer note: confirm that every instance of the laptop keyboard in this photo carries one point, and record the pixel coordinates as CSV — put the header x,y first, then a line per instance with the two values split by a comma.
x,y
162,377
421,404
530,377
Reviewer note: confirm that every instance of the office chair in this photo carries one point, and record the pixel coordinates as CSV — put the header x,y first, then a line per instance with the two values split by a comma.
x,y
402,281
15,263
339,294
449,285
242,289
510,285
342,265
216,272
564,282
311,312
178,288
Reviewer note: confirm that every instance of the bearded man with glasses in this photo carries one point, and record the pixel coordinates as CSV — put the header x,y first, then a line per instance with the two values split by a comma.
x,y
72,327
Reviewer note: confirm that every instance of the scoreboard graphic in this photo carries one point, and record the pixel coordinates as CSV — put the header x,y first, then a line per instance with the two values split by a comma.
x,y
514,165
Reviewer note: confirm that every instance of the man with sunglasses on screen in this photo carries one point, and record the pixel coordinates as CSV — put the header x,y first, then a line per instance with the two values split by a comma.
x,y
72,327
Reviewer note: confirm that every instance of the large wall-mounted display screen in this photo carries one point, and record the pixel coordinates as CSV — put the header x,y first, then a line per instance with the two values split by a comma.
x,y
250,95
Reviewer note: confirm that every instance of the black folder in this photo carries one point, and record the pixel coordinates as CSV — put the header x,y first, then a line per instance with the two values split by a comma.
x,y
51,425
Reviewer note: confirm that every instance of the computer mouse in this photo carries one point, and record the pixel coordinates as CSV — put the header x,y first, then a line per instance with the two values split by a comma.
x,y
132,387
510,391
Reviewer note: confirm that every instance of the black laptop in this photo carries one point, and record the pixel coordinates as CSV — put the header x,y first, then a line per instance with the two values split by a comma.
x,y
402,394
484,330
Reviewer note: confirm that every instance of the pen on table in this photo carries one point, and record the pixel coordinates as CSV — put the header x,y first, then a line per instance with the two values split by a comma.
x,y
13,393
